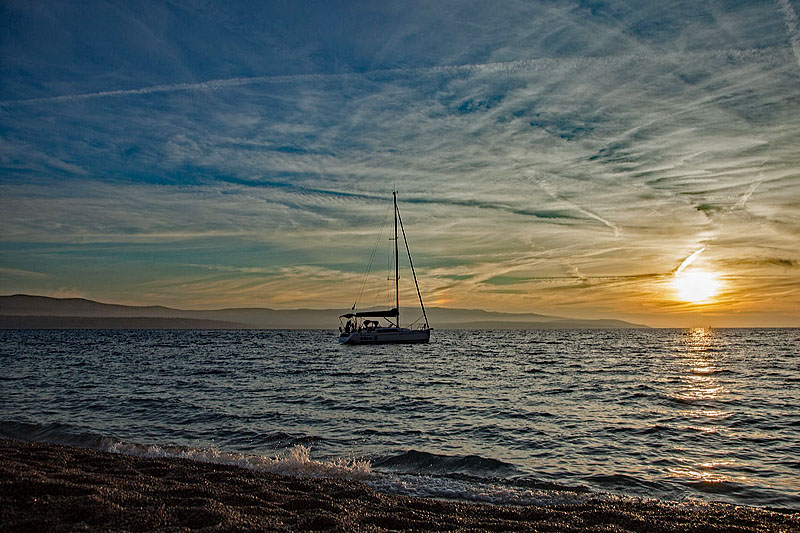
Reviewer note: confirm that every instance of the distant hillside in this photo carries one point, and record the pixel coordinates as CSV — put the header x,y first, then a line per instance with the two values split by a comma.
x,y
561,323
88,322
21,310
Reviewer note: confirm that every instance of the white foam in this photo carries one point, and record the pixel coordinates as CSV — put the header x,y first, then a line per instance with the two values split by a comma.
x,y
296,461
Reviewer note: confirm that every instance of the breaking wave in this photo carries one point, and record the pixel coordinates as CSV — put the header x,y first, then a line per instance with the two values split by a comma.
x,y
413,473
295,461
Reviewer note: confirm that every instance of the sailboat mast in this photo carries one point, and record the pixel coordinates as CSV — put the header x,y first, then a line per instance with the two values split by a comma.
x,y
396,263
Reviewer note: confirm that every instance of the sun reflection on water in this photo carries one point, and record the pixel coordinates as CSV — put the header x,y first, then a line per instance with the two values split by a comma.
x,y
698,386
705,472
698,368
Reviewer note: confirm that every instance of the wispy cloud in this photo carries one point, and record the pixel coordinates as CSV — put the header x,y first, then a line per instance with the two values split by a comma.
x,y
533,66
790,16
18,272
578,151
551,191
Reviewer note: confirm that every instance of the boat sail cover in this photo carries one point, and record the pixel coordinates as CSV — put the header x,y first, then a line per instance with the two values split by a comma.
x,y
372,314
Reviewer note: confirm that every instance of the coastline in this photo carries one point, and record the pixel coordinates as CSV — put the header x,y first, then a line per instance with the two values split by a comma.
x,y
55,487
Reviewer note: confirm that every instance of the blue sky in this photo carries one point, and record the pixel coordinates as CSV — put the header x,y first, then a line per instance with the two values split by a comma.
x,y
555,157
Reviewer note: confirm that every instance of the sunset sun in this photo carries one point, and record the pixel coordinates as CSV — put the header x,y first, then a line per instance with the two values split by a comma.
x,y
698,286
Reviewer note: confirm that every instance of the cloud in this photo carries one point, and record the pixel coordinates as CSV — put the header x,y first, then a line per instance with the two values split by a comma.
x,y
518,68
559,146
18,272
787,263
790,16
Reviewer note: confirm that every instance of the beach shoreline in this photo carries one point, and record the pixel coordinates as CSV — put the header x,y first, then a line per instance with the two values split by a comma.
x,y
62,488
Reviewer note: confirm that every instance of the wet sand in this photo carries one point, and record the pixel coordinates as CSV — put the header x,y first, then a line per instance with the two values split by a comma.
x,y
55,488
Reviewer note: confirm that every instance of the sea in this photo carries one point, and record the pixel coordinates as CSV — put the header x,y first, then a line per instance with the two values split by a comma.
x,y
511,417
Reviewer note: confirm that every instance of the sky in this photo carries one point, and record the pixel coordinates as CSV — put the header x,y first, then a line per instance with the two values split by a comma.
x,y
626,159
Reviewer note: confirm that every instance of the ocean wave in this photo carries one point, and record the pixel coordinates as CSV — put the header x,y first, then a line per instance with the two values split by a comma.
x,y
498,493
295,461
432,463
53,433
625,482
415,473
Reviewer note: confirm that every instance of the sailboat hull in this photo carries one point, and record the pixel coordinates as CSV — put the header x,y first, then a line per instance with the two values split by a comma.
x,y
386,336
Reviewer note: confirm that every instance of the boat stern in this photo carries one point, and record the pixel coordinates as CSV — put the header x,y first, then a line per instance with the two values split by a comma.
x,y
348,338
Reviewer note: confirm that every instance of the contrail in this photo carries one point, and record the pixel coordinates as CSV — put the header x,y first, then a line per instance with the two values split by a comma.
x,y
595,216
508,68
550,190
790,17
746,196
209,85
689,260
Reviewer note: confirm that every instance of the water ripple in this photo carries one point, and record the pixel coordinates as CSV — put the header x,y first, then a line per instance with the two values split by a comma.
x,y
655,413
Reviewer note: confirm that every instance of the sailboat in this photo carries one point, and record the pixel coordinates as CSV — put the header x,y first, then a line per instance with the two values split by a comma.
x,y
360,328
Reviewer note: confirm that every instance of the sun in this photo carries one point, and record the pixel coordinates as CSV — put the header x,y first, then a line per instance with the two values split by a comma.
x,y
696,286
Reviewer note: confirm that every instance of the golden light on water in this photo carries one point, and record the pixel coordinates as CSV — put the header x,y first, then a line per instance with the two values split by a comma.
x,y
696,286
698,385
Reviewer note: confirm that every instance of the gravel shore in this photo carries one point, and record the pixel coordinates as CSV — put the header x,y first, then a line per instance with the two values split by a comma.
x,y
47,487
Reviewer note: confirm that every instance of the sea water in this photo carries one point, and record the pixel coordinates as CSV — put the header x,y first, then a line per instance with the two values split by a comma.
x,y
500,416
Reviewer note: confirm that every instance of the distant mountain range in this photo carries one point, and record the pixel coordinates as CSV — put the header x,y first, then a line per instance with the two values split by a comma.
x,y
25,312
